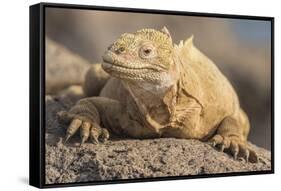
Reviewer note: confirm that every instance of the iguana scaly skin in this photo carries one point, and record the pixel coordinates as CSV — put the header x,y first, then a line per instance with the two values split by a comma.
x,y
157,89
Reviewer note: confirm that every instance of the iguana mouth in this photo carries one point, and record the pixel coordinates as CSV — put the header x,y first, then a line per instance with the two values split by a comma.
x,y
111,68
112,63
110,59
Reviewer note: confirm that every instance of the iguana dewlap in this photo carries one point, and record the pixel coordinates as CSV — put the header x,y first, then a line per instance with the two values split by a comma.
x,y
157,89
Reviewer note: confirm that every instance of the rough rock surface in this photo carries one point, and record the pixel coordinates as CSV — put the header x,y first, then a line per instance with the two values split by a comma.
x,y
63,67
131,158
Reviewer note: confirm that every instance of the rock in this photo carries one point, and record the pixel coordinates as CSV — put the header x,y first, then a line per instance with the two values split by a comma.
x,y
63,67
132,158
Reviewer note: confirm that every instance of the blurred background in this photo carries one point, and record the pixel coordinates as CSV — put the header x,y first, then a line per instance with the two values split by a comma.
x,y
240,48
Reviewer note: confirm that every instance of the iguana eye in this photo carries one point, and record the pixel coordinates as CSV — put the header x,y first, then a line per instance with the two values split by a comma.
x,y
147,52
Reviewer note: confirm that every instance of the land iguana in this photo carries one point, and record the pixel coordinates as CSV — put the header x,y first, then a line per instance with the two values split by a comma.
x,y
159,89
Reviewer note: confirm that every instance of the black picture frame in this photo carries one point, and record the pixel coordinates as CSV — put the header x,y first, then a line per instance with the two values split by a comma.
x,y
37,92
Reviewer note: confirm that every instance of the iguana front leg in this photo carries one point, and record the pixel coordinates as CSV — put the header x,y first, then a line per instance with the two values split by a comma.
x,y
232,135
91,115
86,117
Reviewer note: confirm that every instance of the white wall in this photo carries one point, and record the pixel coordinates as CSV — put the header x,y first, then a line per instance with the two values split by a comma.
x,y
14,68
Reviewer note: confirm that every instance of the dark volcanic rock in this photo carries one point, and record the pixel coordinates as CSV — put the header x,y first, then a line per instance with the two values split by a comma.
x,y
131,158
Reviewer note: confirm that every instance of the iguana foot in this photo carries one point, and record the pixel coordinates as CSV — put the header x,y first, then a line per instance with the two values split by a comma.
x,y
86,126
237,147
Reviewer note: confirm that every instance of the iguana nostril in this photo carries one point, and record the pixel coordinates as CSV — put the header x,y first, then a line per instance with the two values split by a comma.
x,y
110,47
120,50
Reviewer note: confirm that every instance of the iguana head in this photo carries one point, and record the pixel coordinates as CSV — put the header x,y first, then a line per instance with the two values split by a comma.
x,y
144,56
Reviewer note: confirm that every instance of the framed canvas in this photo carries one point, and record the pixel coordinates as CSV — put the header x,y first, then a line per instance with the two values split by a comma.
x,y
132,95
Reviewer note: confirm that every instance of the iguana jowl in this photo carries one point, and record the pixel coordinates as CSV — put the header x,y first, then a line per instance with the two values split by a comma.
x,y
157,89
